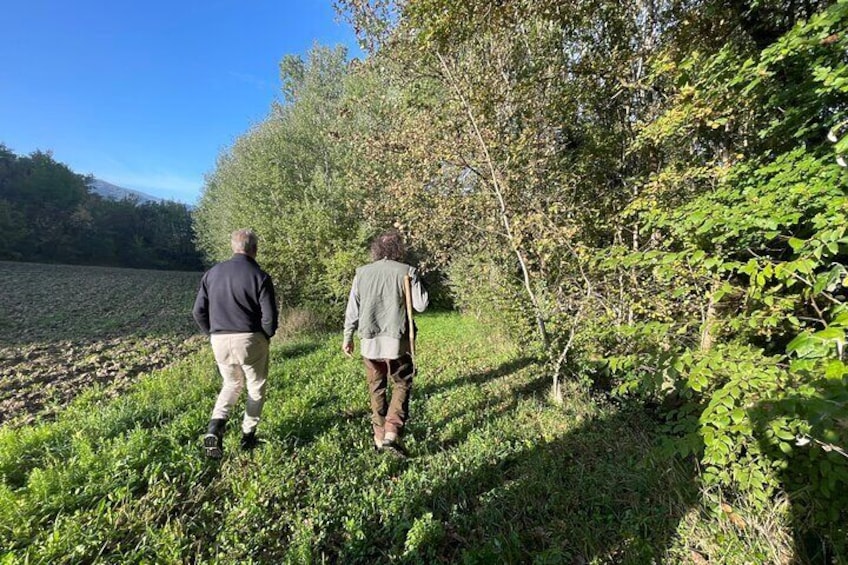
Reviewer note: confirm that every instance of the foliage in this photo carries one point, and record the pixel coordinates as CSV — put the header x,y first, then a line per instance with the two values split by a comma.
x,y
762,248
47,213
283,179
662,182
651,192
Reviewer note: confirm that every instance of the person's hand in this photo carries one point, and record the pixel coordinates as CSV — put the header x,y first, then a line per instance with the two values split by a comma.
x,y
347,349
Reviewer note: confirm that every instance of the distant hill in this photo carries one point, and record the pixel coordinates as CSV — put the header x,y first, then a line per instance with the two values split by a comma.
x,y
114,192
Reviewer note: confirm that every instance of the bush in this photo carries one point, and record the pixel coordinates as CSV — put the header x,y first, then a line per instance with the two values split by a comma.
x,y
300,321
486,288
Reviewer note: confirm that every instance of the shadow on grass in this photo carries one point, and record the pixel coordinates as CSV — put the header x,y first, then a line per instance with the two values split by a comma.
x,y
463,423
298,430
602,492
477,378
814,474
293,350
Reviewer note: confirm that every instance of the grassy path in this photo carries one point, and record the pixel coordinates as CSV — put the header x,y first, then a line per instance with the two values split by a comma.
x,y
497,474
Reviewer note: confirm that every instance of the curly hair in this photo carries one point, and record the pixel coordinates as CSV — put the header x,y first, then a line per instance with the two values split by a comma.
x,y
388,245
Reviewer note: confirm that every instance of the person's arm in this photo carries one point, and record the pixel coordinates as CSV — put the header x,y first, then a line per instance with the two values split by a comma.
x,y
351,318
201,307
268,306
420,298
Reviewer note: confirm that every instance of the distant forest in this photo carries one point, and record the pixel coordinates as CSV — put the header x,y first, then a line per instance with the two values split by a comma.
x,y
48,214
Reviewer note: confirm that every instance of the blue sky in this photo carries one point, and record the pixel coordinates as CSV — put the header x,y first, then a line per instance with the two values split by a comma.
x,y
145,95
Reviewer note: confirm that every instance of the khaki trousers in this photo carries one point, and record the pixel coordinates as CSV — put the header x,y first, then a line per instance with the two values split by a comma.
x,y
242,358
389,417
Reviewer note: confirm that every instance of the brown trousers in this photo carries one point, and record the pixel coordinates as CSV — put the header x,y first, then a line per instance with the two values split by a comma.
x,y
389,417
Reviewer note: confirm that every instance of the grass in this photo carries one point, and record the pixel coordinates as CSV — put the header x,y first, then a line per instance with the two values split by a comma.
x,y
111,470
497,473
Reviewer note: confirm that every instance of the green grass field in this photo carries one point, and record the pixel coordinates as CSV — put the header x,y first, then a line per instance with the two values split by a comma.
x,y
497,473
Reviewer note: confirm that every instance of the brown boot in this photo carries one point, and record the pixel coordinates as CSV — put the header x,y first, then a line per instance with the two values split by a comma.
x,y
391,444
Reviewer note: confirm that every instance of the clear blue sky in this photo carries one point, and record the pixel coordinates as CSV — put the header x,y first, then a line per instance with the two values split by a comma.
x,y
145,95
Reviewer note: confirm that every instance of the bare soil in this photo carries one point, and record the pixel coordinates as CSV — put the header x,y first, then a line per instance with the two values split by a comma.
x,y
64,329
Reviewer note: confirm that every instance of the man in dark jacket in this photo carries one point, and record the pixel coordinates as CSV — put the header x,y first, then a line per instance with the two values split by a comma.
x,y
376,307
236,306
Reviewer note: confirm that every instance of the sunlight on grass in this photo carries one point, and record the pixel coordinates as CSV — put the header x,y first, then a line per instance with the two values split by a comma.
x,y
496,473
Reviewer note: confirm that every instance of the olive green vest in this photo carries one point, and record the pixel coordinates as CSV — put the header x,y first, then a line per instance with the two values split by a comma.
x,y
382,309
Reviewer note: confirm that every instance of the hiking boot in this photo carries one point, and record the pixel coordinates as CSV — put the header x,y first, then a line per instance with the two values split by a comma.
x,y
213,446
213,441
249,441
391,444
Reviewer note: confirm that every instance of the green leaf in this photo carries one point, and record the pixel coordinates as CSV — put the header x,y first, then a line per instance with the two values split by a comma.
x,y
835,369
784,434
799,342
831,333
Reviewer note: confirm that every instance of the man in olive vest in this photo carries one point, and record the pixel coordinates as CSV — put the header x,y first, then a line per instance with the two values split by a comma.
x,y
377,308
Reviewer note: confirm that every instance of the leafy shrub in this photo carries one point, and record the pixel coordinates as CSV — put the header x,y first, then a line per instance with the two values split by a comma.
x,y
737,307
488,289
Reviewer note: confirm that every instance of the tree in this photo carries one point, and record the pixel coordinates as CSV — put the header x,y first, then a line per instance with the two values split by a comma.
x,y
48,214
660,174
283,179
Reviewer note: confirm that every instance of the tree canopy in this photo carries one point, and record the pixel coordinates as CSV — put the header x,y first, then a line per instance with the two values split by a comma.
x,y
48,213
650,192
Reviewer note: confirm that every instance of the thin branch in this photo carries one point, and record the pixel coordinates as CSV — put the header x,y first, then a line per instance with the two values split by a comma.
x,y
501,202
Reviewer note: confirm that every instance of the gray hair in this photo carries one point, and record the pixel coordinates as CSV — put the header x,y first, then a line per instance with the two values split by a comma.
x,y
244,241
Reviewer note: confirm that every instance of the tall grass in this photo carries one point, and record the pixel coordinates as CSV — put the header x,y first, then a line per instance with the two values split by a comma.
x,y
496,473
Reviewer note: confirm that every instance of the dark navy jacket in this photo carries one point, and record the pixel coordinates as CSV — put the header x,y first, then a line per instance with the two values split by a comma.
x,y
236,296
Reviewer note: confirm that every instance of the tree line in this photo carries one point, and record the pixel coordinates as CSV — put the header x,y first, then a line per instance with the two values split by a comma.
x,y
650,193
48,214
